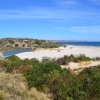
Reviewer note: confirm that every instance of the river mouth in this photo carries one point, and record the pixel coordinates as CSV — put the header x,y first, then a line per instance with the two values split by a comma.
x,y
15,51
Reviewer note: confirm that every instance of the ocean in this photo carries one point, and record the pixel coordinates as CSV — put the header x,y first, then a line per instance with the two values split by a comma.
x,y
95,44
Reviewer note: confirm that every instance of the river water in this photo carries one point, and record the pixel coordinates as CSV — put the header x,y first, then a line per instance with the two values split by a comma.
x,y
15,51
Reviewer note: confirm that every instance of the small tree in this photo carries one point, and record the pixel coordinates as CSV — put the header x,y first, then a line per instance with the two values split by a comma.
x,y
16,45
11,41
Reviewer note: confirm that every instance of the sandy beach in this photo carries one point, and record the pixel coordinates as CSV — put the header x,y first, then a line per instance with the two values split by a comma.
x,y
61,51
1,55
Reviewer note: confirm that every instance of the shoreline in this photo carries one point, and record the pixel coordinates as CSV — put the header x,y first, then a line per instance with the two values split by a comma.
x,y
14,51
1,54
89,51
82,46
76,44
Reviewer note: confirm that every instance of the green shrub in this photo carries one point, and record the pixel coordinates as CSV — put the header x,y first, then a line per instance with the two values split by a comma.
x,y
11,41
13,58
0,42
67,59
91,82
82,57
36,75
37,42
46,59
50,78
3,63
16,45
12,65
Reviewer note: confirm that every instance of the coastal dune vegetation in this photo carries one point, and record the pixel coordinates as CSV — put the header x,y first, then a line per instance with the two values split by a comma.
x,y
46,79
31,79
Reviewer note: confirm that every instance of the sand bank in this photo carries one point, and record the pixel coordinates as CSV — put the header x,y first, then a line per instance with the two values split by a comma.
x,y
81,65
56,53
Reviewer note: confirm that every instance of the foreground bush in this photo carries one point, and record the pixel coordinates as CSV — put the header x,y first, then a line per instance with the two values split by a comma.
x,y
50,78
36,76
13,63
13,58
91,82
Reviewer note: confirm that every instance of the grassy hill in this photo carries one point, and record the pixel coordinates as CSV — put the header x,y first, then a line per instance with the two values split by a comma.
x,y
8,43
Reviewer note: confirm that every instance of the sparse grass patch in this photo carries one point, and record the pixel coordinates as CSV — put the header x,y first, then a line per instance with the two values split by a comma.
x,y
14,87
33,94
13,83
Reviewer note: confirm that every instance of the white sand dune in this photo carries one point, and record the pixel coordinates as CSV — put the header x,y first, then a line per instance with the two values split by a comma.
x,y
1,55
76,50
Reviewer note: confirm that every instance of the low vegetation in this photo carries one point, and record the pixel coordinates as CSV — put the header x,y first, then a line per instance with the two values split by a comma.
x,y
46,80
63,85
67,59
14,87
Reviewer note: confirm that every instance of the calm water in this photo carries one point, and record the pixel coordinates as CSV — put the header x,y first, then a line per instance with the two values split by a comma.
x,y
96,44
15,51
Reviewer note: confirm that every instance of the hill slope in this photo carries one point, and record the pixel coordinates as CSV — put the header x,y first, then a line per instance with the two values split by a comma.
x,y
8,43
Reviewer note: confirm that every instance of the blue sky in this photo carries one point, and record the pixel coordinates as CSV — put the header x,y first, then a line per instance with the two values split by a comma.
x,y
50,19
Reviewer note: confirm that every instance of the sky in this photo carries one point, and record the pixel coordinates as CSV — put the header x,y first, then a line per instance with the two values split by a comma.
x,y
50,19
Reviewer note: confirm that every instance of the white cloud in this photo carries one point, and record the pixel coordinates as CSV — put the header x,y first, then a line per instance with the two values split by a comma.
x,y
88,30
48,13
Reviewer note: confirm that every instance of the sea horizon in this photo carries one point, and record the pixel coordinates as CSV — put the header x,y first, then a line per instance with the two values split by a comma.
x,y
94,44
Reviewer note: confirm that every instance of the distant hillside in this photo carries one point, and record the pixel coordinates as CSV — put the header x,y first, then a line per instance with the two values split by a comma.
x,y
8,43
68,41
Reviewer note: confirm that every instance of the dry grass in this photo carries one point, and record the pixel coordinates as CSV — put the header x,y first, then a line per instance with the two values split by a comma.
x,y
14,87
33,94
